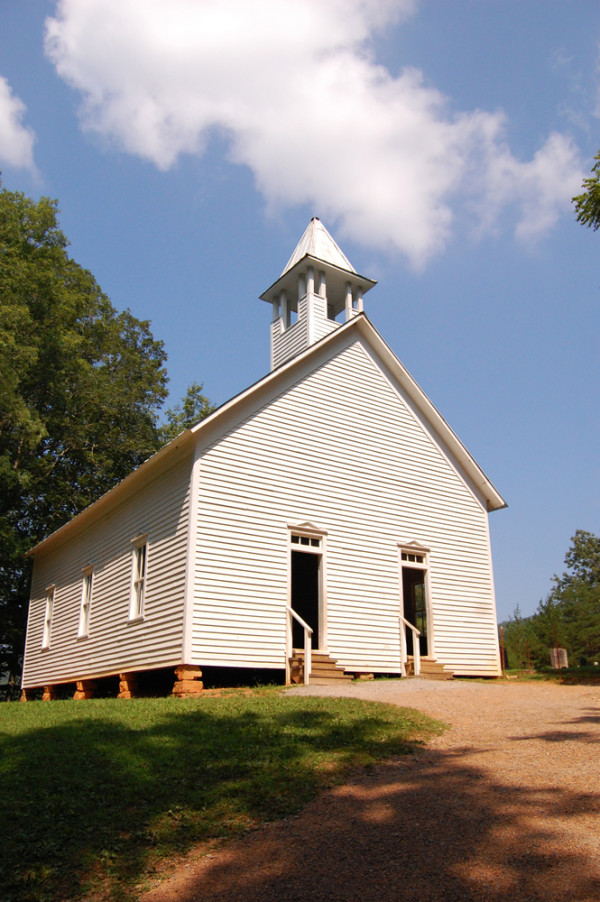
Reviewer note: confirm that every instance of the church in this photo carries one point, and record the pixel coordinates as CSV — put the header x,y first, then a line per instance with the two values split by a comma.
x,y
324,523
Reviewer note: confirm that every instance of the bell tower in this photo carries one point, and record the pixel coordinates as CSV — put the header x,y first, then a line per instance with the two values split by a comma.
x,y
317,292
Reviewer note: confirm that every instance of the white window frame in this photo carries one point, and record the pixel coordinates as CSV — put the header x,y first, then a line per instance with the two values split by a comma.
x,y
87,589
137,594
48,616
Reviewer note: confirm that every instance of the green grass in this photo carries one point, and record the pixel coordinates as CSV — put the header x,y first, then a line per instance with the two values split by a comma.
x,y
98,792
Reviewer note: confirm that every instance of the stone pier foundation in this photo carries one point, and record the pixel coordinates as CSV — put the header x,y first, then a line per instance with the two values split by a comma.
x,y
128,685
188,683
85,689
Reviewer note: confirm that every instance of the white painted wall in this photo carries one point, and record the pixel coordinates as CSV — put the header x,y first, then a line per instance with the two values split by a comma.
x,y
114,644
341,448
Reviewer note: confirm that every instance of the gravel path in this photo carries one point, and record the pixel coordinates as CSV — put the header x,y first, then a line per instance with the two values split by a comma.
x,y
504,806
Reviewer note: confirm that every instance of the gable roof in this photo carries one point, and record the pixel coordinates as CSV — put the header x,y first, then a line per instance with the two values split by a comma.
x,y
185,440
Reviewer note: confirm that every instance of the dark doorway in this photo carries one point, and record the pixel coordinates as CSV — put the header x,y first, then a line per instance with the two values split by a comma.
x,y
415,608
305,595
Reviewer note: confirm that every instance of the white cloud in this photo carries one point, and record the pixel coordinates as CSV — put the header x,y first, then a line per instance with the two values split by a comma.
x,y
296,90
16,140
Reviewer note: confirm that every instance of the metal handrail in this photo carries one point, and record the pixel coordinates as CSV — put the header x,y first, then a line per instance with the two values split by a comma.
x,y
404,650
307,642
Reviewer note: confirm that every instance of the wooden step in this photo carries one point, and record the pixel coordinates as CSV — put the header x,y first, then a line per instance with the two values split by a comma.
x,y
435,670
324,669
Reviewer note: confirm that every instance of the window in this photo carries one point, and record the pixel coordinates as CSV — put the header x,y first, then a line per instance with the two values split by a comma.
x,y
305,540
138,578
86,602
48,617
413,558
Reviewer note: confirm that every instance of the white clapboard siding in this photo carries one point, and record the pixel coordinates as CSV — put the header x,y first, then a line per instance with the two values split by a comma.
x,y
114,643
289,342
320,324
343,449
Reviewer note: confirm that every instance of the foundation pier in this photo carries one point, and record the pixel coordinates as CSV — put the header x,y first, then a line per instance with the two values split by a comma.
x,y
85,689
128,685
49,694
187,681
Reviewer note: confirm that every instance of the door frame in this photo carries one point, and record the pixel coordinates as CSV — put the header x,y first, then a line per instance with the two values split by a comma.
x,y
420,554
315,542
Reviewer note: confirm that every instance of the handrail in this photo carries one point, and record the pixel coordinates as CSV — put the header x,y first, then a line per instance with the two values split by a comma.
x,y
307,642
404,650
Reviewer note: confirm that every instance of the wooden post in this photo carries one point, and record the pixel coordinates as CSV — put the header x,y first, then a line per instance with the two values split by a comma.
x,y
26,695
348,302
557,651
128,685
188,683
49,694
85,689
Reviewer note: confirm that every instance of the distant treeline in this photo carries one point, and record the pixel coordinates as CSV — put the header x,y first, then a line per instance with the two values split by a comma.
x,y
568,618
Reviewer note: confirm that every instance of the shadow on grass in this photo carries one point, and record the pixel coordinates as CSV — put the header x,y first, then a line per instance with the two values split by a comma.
x,y
435,828
92,792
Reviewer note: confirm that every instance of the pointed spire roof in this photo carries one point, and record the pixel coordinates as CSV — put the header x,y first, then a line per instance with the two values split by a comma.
x,y
317,247
317,242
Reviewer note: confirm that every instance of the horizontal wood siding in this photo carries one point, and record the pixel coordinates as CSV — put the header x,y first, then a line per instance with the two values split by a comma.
x,y
293,340
114,643
342,449
322,326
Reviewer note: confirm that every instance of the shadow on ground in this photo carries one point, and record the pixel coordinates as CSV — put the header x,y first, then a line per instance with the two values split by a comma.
x,y
431,828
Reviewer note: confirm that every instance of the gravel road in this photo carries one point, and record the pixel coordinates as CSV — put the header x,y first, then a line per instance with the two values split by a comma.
x,y
503,806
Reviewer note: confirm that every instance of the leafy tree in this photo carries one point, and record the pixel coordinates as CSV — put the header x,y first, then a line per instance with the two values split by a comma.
x,y
587,204
576,595
582,560
570,615
193,408
81,386
520,640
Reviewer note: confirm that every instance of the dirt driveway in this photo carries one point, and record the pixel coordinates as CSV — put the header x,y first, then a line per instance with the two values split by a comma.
x,y
504,806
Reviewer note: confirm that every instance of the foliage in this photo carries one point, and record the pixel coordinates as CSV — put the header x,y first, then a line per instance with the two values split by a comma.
x,y
587,204
81,389
100,791
193,408
569,616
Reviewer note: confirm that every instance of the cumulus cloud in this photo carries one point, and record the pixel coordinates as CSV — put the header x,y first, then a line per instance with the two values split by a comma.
x,y
296,90
16,141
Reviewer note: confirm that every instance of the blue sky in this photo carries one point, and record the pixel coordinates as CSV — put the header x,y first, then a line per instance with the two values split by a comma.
x,y
190,142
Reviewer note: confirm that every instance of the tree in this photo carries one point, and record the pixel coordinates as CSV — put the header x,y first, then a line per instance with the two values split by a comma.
x,y
576,595
81,388
569,616
587,204
193,408
519,640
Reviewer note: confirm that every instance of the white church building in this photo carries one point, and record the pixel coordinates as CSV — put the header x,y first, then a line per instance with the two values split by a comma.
x,y
328,509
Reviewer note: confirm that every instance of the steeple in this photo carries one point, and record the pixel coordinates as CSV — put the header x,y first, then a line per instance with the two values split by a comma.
x,y
318,290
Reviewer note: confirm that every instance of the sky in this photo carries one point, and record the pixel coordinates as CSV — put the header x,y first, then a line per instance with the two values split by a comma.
x,y
189,142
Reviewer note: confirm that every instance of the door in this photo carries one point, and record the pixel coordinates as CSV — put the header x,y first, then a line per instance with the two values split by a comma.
x,y
305,595
415,606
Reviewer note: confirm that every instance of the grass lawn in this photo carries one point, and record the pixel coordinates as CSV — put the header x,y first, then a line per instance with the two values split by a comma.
x,y
99,792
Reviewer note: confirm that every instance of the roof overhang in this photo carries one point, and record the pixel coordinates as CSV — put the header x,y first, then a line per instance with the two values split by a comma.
x,y
336,277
